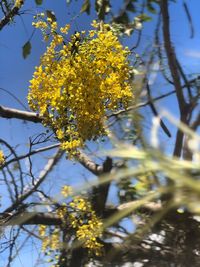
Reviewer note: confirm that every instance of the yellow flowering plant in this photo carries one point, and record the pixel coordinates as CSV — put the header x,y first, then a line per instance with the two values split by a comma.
x,y
79,82
87,225
77,216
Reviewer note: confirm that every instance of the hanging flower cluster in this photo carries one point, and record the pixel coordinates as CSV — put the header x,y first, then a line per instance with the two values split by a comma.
x,y
79,217
79,82
87,225
82,218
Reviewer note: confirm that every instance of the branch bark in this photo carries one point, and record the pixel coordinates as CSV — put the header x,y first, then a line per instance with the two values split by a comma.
x,y
29,218
13,12
11,113
172,62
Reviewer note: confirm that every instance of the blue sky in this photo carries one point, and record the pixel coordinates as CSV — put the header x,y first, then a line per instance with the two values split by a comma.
x,y
15,73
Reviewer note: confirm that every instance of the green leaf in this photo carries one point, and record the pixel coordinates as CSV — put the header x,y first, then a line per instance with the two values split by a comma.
x,y
51,15
26,49
38,2
86,7
144,17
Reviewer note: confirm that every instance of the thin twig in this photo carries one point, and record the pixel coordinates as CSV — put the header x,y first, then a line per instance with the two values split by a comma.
x,y
49,166
189,19
33,152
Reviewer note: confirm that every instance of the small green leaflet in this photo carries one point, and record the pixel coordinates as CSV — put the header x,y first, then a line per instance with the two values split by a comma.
x,y
144,17
86,7
26,49
38,2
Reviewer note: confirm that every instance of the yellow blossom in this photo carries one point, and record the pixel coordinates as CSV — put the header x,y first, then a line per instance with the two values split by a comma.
x,y
66,191
65,29
19,3
2,158
79,82
42,230
79,215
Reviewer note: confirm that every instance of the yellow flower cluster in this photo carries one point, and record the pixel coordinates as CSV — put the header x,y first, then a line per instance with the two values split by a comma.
x,y
79,82
66,190
51,241
83,220
87,225
42,230
2,158
88,234
80,217
19,3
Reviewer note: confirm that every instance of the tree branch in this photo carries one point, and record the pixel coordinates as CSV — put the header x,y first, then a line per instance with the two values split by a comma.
x,y
11,113
175,75
30,218
36,151
90,165
13,12
82,158
171,54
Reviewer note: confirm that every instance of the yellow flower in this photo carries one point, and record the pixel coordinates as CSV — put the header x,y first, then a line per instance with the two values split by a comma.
x,y
42,230
45,243
88,233
87,225
79,82
79,215
2,158
61,212
65,29
19,3
95,24
66,191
